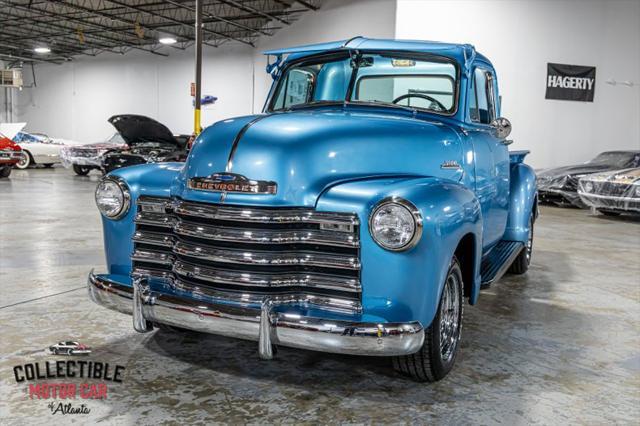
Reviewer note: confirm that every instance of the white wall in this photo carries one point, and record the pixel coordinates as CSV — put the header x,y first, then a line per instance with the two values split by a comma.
x,y
520,37
75,100
336,20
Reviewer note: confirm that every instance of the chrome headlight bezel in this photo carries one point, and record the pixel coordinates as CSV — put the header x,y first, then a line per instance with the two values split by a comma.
x,y
126,197
415,215
588,186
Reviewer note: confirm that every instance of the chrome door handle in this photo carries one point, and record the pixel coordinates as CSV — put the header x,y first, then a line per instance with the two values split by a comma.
x,y
506,141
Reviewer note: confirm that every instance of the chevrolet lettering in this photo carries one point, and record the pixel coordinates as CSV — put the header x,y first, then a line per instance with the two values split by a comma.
x,y
359,213
228,182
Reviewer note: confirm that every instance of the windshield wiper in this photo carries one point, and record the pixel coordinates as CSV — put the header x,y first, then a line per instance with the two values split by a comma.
x,y
387,104
312,104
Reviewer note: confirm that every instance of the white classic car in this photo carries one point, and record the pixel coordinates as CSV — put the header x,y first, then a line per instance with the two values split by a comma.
x,y
37,148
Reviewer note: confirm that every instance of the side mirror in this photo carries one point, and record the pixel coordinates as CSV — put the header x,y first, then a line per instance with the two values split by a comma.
x,y
502,127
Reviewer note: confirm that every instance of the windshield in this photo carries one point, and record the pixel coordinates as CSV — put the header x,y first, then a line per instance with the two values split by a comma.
x,y
401,81
29,138
618,158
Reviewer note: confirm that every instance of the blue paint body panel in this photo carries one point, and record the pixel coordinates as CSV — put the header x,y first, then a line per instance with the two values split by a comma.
x,y
347,158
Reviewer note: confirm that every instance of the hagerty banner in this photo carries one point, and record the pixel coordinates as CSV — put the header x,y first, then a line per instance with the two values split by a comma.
x,y
570,82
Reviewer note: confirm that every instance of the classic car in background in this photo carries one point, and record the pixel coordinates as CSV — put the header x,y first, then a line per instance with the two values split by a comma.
x,y
612,193
69,348
357,214
147,140
85,158
559,185
10,155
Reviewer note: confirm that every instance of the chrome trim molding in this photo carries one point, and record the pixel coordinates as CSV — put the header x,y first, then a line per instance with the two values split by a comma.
x,y
263,323
417,217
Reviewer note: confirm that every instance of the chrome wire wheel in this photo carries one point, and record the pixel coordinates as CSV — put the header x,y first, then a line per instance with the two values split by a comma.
x,y
450,318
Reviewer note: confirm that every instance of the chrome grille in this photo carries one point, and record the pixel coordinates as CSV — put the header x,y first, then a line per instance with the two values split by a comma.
x,y
246,253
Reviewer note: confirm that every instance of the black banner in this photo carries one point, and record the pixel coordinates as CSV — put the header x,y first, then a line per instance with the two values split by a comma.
x,y
570,82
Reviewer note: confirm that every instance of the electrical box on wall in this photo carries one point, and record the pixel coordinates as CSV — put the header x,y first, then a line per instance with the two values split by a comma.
x,y
11,78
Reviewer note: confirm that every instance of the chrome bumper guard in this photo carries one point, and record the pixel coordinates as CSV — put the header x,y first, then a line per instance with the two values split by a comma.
x,y
265,325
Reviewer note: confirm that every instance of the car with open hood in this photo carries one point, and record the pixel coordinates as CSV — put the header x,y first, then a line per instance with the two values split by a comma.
x,y
357,214
612,193
10,155
559,185
147,141
84,158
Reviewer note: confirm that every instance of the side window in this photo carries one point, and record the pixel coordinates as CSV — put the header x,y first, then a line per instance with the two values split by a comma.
x,y
296,90
484,104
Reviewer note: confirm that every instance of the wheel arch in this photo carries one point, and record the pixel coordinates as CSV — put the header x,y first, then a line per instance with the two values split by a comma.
x,y
466,252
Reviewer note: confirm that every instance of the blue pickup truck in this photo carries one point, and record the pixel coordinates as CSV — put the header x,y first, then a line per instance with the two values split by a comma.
x,y
357,214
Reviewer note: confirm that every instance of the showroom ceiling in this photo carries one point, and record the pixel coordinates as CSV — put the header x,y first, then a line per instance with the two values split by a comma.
x,y
56,31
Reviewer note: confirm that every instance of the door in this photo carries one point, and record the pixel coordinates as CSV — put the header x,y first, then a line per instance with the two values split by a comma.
x,y
491,157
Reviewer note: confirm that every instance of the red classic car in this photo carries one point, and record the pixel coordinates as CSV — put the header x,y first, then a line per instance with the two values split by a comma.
x,y
10,154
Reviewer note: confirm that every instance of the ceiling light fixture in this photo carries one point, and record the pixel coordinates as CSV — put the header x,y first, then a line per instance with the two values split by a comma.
x,y
42,49
168,40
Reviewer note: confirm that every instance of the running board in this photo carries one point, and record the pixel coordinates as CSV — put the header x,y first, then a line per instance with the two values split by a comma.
x,y
496,263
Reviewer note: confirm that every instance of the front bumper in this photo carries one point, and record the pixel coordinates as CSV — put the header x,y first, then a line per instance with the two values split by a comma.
x,y
265,325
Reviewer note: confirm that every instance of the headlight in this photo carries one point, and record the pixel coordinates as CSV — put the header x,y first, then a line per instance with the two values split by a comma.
x,y
395,224
588,187
113,197
637,191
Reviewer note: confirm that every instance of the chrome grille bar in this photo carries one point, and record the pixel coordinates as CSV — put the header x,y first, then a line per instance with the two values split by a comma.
x,y
262,236
334,303
152,257
257,215
255,257
154,238
252,279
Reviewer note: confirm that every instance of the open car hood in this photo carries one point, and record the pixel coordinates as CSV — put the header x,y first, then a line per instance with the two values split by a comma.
x,y
10,130
136,129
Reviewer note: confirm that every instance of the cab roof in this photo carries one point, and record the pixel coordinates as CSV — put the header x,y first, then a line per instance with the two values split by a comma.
x,y
462,53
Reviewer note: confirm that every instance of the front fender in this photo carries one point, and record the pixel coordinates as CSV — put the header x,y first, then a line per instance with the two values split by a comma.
x,y
146,179
406,286
523,197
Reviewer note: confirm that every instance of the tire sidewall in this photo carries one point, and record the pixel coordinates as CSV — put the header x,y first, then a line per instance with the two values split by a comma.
x,y
29,161
440,366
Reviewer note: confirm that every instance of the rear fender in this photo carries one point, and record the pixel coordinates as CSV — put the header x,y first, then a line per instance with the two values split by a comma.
x,y
523,200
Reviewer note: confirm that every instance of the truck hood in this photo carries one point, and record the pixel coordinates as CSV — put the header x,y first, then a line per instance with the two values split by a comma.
x,y
136,129
306,152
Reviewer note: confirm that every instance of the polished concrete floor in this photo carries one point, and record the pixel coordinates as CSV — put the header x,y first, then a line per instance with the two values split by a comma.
x,y
558,345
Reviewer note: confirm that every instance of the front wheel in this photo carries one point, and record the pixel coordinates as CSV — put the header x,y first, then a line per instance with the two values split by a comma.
x,y
5,171
25,161
81,170
442,339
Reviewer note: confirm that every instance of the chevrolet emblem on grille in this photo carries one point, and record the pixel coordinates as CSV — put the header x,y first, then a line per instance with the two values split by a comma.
x,y
232,182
